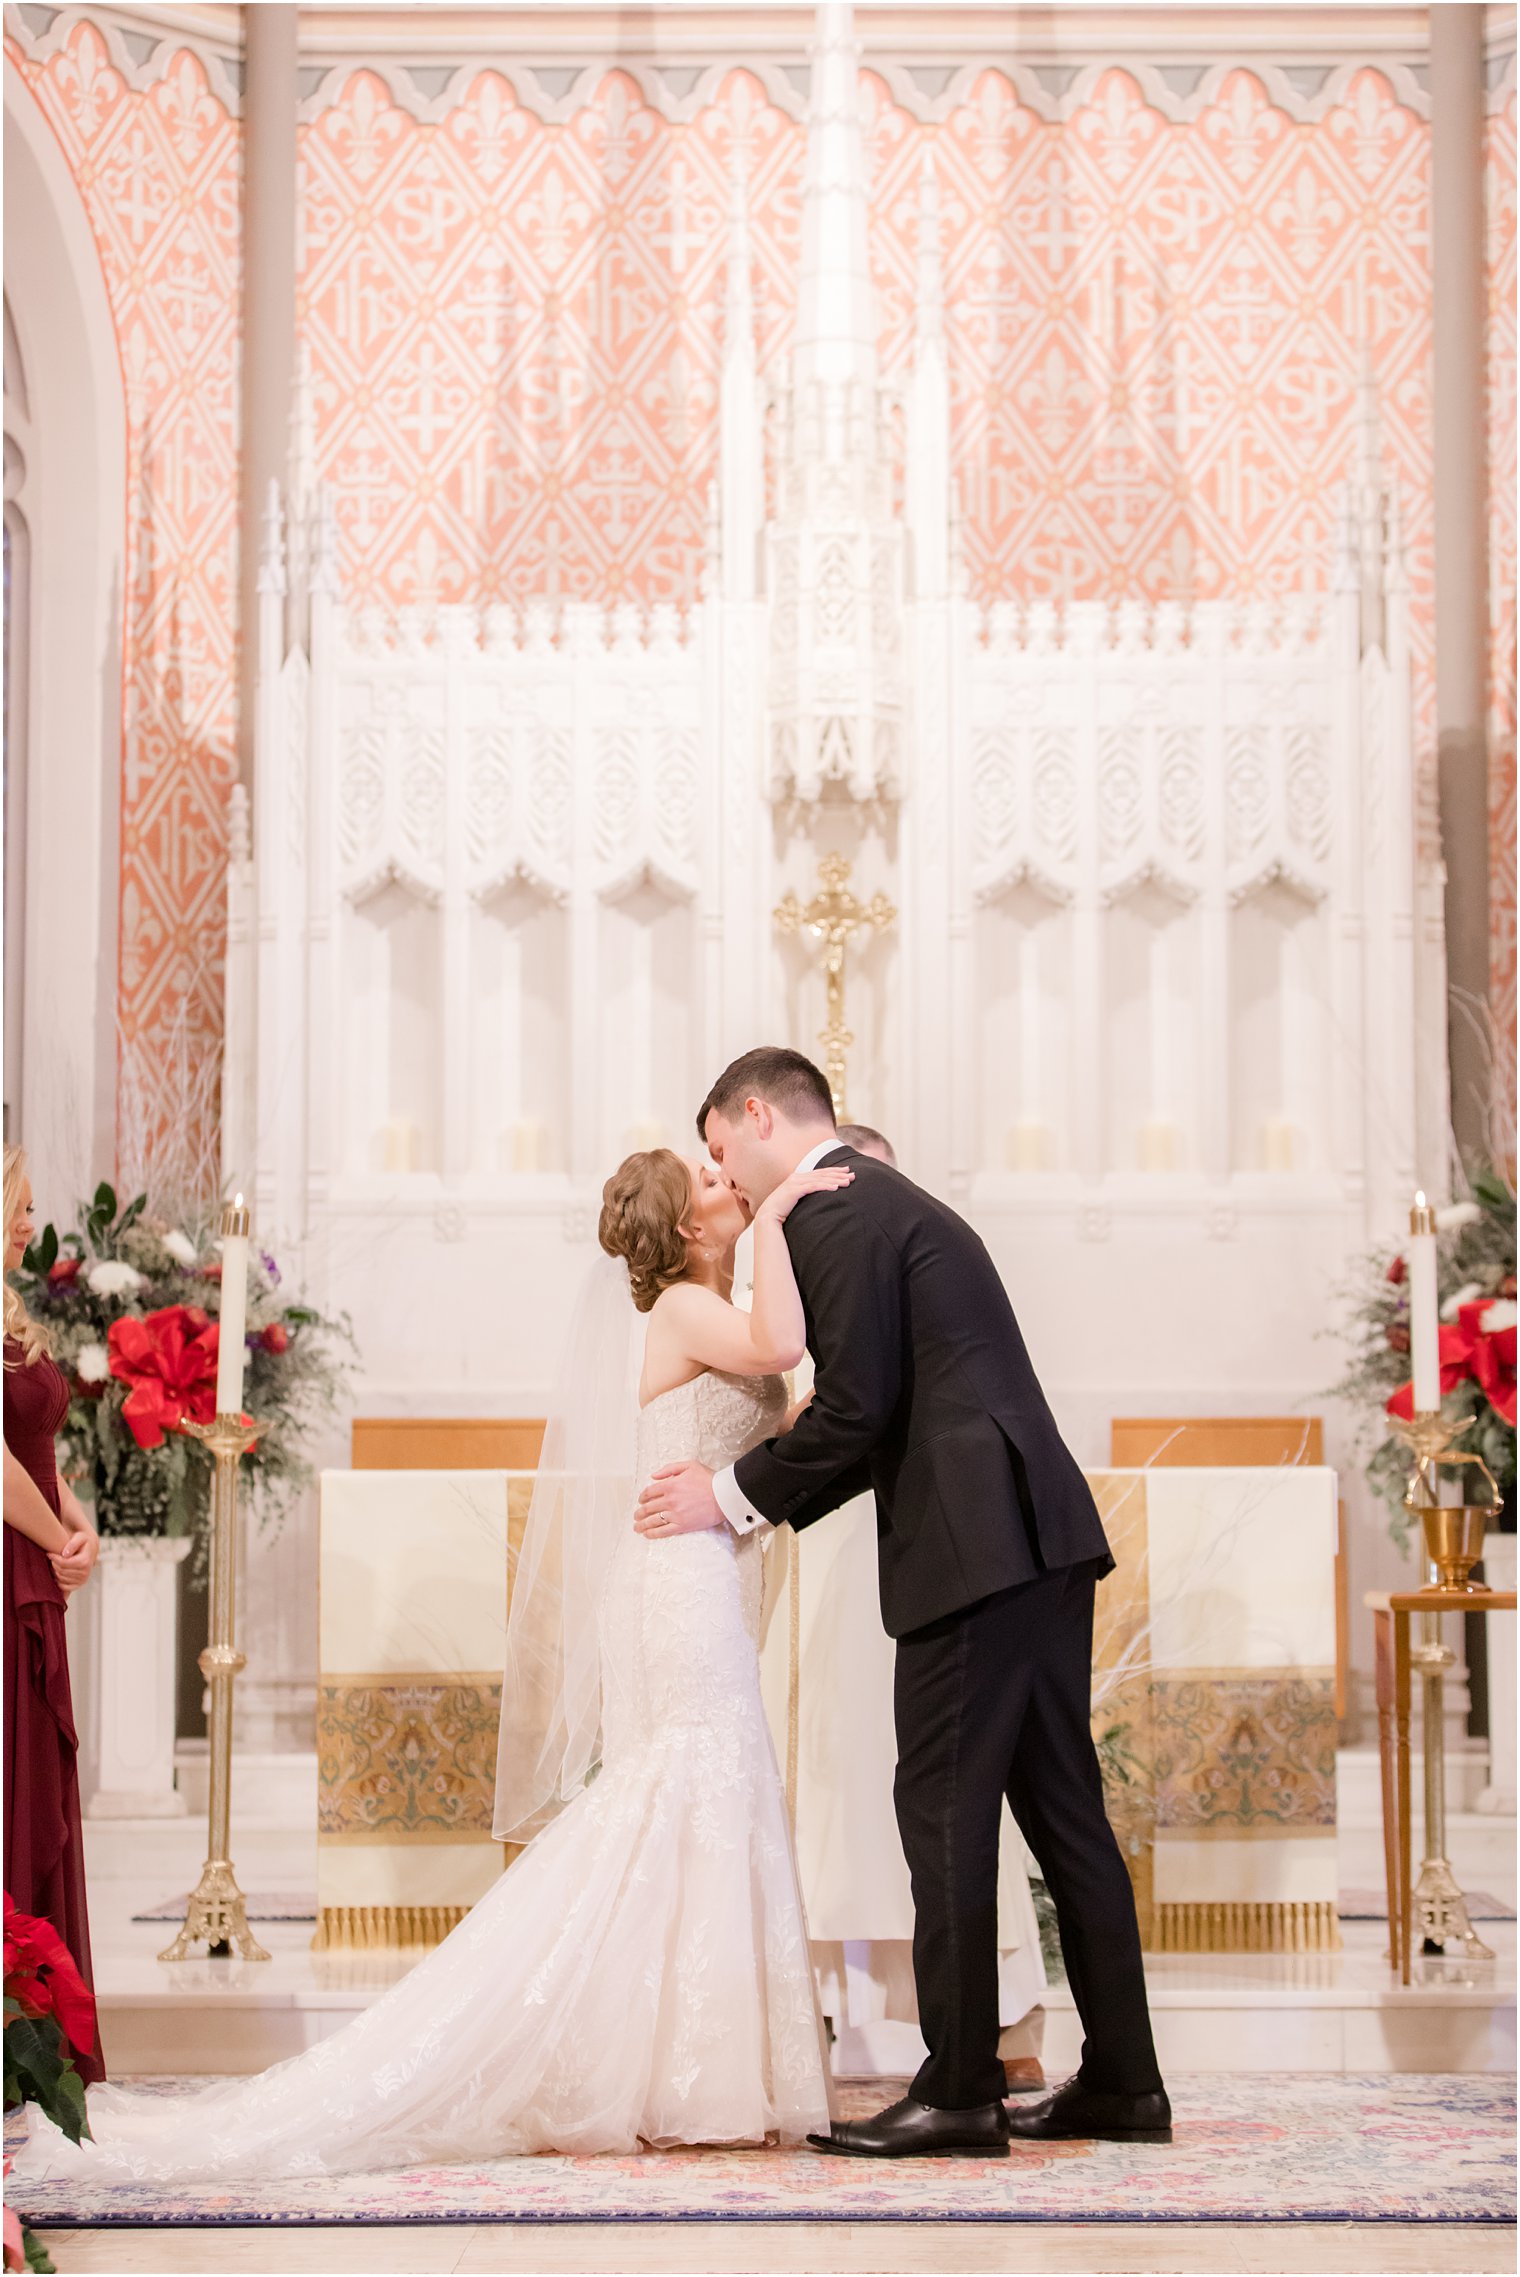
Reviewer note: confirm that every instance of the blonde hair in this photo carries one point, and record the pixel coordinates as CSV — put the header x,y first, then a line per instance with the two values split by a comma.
x,y
644,1204
33,1340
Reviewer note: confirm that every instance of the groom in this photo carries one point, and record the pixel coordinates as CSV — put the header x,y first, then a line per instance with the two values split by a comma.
x,y
990,1549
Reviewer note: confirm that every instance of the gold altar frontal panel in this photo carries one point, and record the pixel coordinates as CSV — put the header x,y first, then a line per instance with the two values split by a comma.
x,y
413,1606
1241,1593
1212,1700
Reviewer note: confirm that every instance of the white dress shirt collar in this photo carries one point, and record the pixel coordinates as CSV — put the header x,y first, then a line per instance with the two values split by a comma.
x,y
815,1154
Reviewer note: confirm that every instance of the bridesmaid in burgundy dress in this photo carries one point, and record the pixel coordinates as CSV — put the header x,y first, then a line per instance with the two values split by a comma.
x,y
50,1549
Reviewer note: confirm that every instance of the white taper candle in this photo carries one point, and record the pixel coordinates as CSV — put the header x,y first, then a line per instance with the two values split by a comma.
x,y
230,1354
1424,1309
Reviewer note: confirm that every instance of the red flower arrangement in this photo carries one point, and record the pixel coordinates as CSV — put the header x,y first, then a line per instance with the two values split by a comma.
x,y
40,1977
1475,1286
122,1299
169,1359
48,2009
1469,1350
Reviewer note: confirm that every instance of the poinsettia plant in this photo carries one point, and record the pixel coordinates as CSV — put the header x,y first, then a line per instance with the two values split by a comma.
x,y
49,2011
1475,1268
131,1303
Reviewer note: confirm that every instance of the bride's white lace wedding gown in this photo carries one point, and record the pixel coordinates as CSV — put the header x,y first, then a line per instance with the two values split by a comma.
x,y
640,1974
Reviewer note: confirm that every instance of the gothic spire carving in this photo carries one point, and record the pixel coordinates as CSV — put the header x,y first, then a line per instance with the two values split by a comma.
x,y
836,315
834,550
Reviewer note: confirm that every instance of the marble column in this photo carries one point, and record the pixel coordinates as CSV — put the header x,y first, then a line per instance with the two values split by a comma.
x,y
277,1580
1456,107
269,308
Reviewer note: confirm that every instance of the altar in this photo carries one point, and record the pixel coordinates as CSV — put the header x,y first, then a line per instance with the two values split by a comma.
x,y
1213,1699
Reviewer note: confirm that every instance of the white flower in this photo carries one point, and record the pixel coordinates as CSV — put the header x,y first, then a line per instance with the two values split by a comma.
x,y
1457,1214
93,1364
113,1277
1463,1296
180,1247
1500,1314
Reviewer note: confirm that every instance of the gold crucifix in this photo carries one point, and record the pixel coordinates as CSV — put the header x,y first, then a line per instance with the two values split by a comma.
x,y
835,916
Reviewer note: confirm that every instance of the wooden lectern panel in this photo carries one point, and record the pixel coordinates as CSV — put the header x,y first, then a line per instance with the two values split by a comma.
x,y
1215,1442
446,1443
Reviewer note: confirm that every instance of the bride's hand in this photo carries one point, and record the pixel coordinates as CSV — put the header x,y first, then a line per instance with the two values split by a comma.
x,y
827,1179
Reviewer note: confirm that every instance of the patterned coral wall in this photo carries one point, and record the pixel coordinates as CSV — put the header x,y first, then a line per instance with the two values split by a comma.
x,y
514,333
1499,209
158,170
1154,329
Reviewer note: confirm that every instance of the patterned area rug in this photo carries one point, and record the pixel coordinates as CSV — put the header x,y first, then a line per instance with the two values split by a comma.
x,y
263,1905
1372,1905
1264,2148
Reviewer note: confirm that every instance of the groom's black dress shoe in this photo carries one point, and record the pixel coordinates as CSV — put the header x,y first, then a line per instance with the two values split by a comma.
x,y
915,2130
1089,2114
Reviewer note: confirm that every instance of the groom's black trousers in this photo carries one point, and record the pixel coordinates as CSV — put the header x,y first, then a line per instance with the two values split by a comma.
x,y
994,1701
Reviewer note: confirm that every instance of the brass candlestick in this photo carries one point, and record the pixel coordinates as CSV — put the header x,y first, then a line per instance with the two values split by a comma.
x,y
835,916
217,1915
1453,1540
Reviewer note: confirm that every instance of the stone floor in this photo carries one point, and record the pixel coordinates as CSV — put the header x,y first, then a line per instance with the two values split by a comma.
x,y
1213,2012
1330,2011
1316,2249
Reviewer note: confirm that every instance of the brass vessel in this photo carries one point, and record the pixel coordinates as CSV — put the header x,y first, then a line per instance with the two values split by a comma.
x,y
1454,1543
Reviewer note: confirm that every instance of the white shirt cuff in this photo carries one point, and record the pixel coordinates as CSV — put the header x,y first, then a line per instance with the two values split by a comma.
x,y
734,1504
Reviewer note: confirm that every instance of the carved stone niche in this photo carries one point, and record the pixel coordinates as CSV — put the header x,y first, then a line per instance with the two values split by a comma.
x,y
1151,1020
1023,958
519,1011
1280,1033
649,1011
392,952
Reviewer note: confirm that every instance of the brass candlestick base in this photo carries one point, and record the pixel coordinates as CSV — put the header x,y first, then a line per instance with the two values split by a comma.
x,y
1453,1540
1440,1911
217,1915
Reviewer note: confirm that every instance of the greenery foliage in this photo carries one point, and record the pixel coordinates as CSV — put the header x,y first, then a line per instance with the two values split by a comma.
x,y
1475,1261
125,1264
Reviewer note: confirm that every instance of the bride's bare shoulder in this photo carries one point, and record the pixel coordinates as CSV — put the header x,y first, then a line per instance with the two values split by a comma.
x,y
687,1300
669,1361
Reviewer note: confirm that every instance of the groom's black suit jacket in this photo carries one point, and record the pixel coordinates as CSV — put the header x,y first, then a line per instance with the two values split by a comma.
x,y
923,1392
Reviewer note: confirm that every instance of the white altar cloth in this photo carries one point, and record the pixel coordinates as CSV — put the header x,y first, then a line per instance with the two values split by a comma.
x,y
854,1876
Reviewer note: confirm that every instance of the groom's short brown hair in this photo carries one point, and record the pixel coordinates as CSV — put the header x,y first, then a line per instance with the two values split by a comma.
x,y
782,1078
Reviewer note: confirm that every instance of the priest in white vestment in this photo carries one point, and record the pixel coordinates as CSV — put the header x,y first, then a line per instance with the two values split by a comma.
x,y
854,1877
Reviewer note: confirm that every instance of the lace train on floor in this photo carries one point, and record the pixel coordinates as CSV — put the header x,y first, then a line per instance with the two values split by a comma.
x,y
640,1974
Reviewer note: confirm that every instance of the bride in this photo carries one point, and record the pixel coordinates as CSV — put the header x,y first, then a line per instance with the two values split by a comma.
x,y
641,1974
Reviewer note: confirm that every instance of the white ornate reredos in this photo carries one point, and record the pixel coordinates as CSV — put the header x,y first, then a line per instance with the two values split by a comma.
x,y
1162,955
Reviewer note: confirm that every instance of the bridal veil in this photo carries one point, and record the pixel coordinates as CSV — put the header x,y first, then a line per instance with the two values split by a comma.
x,y
551,1694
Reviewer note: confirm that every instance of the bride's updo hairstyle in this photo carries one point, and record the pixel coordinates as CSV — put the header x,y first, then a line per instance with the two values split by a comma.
x,y
644,1204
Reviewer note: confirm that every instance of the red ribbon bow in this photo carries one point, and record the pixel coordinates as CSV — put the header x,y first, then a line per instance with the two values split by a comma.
x,y
1468,1349
169,1359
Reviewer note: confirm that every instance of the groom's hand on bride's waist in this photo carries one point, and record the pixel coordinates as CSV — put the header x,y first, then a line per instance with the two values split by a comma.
x,y
679,1499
